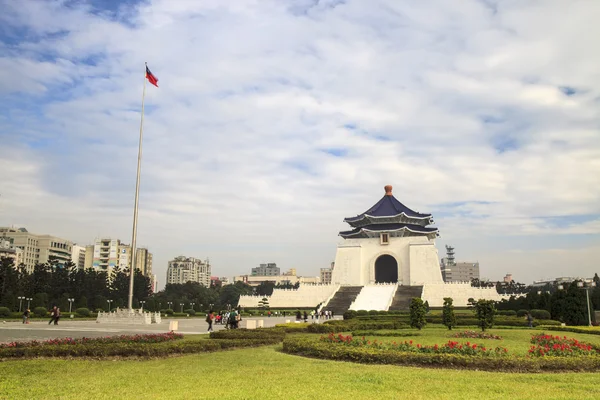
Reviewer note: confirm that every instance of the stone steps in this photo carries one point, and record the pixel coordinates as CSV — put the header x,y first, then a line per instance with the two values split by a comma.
x,y
343,298
403,296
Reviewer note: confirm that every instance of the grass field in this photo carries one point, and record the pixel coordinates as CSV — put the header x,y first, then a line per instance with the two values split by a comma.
x,y
266,373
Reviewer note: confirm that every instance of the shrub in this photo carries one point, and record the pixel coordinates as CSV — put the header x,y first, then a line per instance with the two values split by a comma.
x,y
40,311
476,335
540,314
5,312
190,312
485,311
522,313
83,312
169,311
373,312
350,314
149,338
293,327
448,317
509,313
385,333
322,328
263,333
417,313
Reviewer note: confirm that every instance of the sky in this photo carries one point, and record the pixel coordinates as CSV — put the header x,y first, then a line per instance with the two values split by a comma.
x,y
274,120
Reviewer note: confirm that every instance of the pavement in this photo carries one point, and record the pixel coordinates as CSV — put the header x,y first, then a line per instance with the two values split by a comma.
x,y
11,331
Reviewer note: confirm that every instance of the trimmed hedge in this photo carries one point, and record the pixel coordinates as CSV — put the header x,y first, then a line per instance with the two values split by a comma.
x,y
133,349
262,333
313,347
508,313
589,331
385,333
540,314
40,312
403,321
5,312
83,312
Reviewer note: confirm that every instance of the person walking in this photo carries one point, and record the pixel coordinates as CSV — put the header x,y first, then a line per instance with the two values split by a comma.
x,y
529,319
52,315
57,316
26,316
209,319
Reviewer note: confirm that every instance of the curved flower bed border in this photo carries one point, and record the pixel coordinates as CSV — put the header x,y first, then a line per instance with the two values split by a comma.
x,y
148,338
548,345
476,335
314,347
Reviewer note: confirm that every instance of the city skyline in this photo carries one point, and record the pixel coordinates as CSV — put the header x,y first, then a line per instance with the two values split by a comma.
x,y
266,132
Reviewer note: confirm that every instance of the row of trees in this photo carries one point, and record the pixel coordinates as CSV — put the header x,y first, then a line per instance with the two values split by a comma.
x,y
53,284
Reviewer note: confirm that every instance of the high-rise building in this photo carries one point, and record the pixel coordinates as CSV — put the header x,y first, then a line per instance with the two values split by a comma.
x,y
326,274
89,257
8,250
143,259
453,271
38,249
269,269
187,269
78,256
111,253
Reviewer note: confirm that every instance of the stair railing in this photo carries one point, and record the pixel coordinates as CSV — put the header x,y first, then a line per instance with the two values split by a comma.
x,y
391,300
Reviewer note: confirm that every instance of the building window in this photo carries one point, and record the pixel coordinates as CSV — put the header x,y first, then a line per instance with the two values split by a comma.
x,y
384,238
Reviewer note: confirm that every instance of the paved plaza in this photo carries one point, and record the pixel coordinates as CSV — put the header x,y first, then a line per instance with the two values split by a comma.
x,y
40,330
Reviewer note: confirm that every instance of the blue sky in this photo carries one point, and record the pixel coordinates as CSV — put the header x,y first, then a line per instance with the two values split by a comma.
x,y
275,120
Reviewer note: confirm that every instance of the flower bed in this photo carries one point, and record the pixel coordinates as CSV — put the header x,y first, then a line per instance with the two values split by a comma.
x,y
314,347
452,347
476,335
149,338
548,345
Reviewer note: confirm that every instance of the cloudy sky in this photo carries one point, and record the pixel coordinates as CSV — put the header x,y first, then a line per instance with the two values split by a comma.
x,y
274,120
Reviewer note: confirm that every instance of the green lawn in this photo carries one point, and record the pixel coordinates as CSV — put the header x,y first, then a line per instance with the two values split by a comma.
x,y
265,373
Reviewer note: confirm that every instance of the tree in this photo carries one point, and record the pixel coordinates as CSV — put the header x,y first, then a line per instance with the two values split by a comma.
x,y
417,313
484,310
448,317
263,304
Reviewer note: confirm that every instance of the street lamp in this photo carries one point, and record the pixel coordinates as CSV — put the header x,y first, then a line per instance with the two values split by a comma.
x,y
21,298
28,301
192,305
587,288
210,306
142,302
181,304
109,301
70,304
170,305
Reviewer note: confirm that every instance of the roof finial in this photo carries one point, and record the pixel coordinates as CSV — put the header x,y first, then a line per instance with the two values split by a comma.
x,y
388,190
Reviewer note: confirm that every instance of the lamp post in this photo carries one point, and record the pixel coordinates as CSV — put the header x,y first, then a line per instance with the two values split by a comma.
x,y
170,305
181,304
21,298
28,302
210,306
192,305
70,305
109,301
142,302
587,288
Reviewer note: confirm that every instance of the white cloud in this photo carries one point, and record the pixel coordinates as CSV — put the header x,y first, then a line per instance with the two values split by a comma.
x,y
451,104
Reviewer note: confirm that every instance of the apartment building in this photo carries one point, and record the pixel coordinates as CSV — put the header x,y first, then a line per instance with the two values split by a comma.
x,y
8,250
38,248
78,256
268,269
188,269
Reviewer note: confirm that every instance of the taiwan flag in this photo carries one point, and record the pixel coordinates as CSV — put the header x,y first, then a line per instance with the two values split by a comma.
x,y
151,78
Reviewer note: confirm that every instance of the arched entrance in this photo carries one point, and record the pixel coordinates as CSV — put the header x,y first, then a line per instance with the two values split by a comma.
x,y
386,269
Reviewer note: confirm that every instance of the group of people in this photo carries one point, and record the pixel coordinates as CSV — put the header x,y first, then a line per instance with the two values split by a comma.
x,y
230,319
54,315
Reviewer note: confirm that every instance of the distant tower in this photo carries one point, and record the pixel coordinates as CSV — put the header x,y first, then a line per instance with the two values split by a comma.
x,y
450,255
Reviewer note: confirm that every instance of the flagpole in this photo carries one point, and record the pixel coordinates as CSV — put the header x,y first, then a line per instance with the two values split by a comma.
x,y
137,197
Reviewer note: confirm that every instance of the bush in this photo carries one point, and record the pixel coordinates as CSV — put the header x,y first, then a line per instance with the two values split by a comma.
x,y
350,314
385,333
540,314
293,327
169,311
448,317
484,311
5,312
322,328
373,312
362,312
190,312
262,333
509,313
40,311
83,312
417,313
522,313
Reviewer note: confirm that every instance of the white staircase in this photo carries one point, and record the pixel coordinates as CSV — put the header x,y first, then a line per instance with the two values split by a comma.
x,y
375,297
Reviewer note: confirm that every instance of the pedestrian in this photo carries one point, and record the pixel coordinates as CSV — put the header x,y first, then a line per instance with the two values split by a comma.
x,y
529,320
52,315
57,316
305,316
209,319
26,316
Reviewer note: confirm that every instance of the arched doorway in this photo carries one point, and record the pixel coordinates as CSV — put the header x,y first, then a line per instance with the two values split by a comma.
x,y
386,269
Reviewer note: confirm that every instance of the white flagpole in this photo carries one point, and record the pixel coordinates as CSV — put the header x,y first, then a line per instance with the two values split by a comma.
x,y
137,197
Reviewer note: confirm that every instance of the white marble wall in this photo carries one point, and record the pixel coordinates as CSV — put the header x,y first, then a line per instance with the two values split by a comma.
x,y
304,296
459,292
